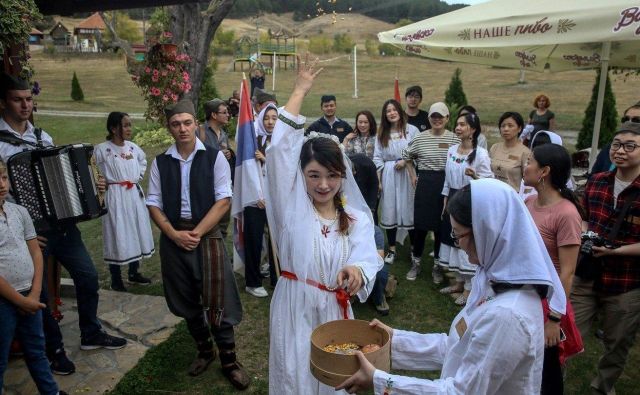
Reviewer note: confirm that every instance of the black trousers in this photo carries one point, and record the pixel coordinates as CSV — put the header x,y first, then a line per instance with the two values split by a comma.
x,y
255,220
552,383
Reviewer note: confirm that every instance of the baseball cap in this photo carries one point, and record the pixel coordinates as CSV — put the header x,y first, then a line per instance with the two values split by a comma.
x,y
439,108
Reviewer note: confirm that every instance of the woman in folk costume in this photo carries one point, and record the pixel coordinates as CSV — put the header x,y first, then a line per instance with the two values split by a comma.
x,y
396,199
465,162
255,217
324,234
126,229
496,343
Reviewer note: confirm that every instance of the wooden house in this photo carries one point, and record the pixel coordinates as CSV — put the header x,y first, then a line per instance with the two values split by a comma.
x,y
60,35
88,33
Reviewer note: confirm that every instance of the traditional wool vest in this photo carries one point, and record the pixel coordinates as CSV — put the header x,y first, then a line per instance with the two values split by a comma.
x,y
201,195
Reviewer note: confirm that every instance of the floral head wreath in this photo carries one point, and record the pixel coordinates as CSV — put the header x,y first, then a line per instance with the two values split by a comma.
x,y
316,135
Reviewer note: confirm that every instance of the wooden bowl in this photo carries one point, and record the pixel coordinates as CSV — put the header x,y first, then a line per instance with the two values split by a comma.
x,y
332,369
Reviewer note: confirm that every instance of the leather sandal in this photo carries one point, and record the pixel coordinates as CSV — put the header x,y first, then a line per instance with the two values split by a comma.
x,y
201,363
237,376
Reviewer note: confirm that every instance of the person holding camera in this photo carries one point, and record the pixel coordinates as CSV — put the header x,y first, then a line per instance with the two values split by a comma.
x,y
608,270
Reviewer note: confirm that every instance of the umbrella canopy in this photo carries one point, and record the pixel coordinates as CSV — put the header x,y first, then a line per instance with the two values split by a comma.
x,y
532,35
554,35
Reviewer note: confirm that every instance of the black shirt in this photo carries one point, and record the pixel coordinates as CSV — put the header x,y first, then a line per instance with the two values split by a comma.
x,y
421,121
339,129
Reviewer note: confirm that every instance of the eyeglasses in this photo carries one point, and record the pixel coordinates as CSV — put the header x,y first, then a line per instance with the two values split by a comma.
x,y
456,238
627,118
628,147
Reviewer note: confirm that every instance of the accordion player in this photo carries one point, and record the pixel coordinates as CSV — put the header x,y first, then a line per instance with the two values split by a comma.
x,y
57,185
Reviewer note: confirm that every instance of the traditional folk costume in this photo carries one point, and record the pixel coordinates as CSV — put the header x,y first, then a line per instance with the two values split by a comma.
x,y
496,343
311,252
199,285
452,258
126,229
396,200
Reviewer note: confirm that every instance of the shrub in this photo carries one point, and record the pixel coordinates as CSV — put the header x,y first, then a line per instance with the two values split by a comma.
x,y
156,136
208,89
342,43
319,45
389,50
454,96
609,117
371,47
76,90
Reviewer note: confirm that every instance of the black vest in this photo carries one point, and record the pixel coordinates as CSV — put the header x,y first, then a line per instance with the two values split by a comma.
x,y
201,191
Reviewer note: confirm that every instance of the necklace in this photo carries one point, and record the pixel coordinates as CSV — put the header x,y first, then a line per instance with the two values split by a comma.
x,y
316,256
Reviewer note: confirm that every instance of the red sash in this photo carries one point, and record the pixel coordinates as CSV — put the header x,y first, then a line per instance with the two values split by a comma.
x,y
126,184
342,297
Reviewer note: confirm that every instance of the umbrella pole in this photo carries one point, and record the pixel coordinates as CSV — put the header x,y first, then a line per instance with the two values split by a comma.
x,y
604,70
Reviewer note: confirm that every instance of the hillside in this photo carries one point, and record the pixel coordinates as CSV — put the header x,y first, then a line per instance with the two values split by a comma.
x,y
358,26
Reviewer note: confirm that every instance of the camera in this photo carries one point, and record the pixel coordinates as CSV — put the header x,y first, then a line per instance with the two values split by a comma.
x,y
591,239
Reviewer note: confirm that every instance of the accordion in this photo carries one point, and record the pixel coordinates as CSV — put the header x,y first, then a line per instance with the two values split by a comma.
x,y
56,185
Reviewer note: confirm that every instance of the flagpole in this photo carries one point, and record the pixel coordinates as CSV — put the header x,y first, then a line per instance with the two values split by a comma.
x,y
273,76
355,72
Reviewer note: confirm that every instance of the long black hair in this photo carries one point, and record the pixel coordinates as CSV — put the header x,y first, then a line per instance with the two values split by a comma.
x,y
328,154
459,206
114,120
559,161
473,121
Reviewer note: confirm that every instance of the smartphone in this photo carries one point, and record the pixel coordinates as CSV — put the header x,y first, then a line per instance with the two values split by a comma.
x,y
563,337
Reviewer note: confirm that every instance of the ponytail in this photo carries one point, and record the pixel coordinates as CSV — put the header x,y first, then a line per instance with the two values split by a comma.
x,y
571,196
344,219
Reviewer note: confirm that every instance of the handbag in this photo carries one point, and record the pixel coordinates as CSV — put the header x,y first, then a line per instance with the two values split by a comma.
x,y
588,266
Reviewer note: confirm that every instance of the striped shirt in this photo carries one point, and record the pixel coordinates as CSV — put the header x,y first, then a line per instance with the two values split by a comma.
x,y
430,151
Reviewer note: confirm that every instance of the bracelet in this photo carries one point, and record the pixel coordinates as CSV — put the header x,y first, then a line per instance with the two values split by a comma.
x,y
290,122
553,318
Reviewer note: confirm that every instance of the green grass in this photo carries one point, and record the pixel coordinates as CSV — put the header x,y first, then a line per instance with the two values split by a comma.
x,y
417,305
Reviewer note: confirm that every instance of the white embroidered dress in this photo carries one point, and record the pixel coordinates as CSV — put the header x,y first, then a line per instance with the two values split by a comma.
x,y
396,201
311,248
451,257
126,228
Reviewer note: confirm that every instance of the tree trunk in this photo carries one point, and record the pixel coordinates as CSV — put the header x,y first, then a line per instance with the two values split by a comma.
x,y
193,26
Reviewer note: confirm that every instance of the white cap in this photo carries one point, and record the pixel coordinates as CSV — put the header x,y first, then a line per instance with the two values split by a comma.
x,y
439,108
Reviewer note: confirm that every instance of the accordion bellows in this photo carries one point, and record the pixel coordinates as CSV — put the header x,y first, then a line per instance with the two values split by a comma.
x,y
56,185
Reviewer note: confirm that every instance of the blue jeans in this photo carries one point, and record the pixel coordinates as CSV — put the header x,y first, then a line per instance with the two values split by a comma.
x,y
67,247
27,328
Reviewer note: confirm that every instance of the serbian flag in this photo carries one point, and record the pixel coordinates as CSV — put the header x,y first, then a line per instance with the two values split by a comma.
x,y
247,185
396,91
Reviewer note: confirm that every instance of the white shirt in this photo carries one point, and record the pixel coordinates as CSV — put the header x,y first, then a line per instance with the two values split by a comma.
x,y
6,149
496,349
16,228
221,179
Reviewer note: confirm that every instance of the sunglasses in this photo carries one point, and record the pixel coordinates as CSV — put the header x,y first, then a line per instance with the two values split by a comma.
x,y
630,119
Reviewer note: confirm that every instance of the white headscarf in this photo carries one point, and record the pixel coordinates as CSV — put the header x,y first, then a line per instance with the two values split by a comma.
x,y
508,243
261,132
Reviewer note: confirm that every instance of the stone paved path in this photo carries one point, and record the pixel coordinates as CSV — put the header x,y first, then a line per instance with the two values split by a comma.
x,y
144,320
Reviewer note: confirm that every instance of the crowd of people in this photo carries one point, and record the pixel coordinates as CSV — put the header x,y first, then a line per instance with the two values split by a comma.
x,y
505,222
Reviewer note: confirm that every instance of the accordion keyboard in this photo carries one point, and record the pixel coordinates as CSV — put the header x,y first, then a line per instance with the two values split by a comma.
x,y
25,186
62,184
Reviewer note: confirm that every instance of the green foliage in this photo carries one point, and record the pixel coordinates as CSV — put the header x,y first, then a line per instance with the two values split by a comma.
x,y
207,90
160,22
16,20
319,45
342,43
155,136
454,96
389,11
223,42
453,112
76,90
403,22
389,50
609,117
371,47
125,27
